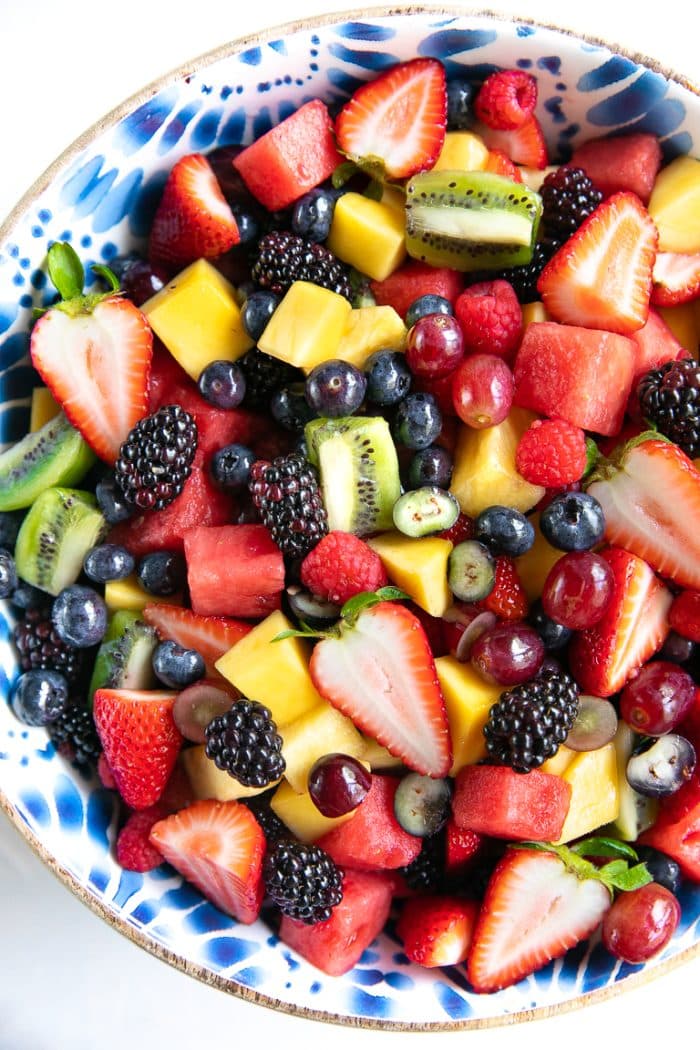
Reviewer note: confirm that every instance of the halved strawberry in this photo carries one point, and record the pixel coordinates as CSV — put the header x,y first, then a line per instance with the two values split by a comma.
x,y
603,657
650,497
500,163
193,220
535,909
437,931
524,145
676,278
212,636
380,672
219,847
395,124
140,740
601,277
507,600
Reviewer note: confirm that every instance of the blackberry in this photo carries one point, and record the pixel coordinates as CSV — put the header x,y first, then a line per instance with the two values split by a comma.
x,y
427,871
288,498
40,647
156,459
283,258
74,735
302,880
244,742
568,197
524,278
264,375
530,721
274,828
669,397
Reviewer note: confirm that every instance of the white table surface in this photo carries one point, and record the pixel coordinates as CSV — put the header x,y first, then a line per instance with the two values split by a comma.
x,y
67,980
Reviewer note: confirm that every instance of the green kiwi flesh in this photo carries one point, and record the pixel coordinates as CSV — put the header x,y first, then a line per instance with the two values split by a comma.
x,y
124,659
54,455
471,220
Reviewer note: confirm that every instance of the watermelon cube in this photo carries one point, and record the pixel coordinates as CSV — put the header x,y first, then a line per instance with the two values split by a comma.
x,y
234,570
335,946
497,801
622,162
292,158
414,279
579,374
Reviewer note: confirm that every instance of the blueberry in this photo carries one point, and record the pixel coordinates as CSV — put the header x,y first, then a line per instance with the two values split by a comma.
x,y
431,466
663,768
289,407
388,377
176,666
26,596
119,264
460,93
504,530
313,213
257,311
111,502
676,648
10,521
662,868
247,222
230,466
573,521
222,384
162,573
553,634
417,422
8,573
108,562
425,305
79,616
422,804
39,697
335,388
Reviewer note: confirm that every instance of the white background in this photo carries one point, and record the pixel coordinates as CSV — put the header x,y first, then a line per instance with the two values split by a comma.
x,y
67,980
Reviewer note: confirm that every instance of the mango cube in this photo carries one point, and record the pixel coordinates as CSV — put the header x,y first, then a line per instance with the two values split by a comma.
x,y
300,815
674,205
462,151
468,699
368,235
128,594
307,326
684,322
533,566
595,797
534,312
198,318
321,731
394,198
560,762
417,566
377,757
274,673
208,781
44,407
370,328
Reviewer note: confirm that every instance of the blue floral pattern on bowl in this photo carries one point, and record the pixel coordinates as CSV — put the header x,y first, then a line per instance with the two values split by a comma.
x,y
101,199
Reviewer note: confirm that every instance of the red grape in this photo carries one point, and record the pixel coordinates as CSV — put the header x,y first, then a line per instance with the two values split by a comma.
x,y
658,699
508,653
640,923
434,346
482,390
196,705
338,784
577,590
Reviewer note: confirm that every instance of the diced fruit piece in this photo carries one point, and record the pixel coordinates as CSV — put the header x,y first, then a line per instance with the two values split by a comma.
x,y
417,566
524,145
334,946
534,910
594,792
208,781
462,151
318,732
140,740
274,673
674,203
575,373
650,498
485,473
534,312
656,344
468,699
676,279
124,659
197,316
307,326
605,656
368,329
684,322
378,758
470,220
134,851
372,130
497,801
299,813
500,164
437,931
414,279
130,595
676,831
636,812
219,847
43,408
293,157
233,570
56,454
373,839
559,763
212,636
461,846
368,235
621,162
58,531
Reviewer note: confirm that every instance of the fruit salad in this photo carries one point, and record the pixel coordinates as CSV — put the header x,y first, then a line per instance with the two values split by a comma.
x,y
354,540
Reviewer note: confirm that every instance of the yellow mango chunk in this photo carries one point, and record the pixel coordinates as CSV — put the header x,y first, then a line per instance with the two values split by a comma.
x,y
128,594
377,757
370,328
674,205
534,565
307,326
208,781
321,731
300,815
462,151
368,235
275,674
484,471
468,699
417,566
595,799
684,322
198,318
534,312
559,763
534,177
44,407
394,198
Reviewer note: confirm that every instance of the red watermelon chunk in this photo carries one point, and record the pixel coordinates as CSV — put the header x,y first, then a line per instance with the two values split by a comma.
x,y
234,570
292,158
622,162
497,801
582,375
336,945
414,279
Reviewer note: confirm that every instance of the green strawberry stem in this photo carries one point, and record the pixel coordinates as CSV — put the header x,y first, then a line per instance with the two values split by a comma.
x,y
606,467
616,875
68,276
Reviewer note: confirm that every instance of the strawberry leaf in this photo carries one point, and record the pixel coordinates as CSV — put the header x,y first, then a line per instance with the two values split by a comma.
x,y
359,602
66,270
343,173
107,275
598,846
632,879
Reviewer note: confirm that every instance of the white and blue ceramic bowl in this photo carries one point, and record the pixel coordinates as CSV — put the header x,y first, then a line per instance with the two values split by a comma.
x,y
100,196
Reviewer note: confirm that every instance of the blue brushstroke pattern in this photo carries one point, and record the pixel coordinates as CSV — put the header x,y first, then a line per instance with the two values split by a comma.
x,y
69,803
14,348
118,202
36,806
204,131
365,31
374,60
233,131
629,103
227,951
454,1005
178,125
136,130
615,69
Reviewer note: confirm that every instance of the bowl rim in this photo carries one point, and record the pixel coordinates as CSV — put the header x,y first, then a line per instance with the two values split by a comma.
x,y
96,905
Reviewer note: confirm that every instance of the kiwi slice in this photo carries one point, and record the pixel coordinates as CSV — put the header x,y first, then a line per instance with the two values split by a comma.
x,y
471,220
55,536
359,471
124,658
54,455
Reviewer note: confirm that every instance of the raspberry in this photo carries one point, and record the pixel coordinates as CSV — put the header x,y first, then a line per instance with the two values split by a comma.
x,y
551,452
684,615
134,849
507,600
506,100
491,318
341,566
